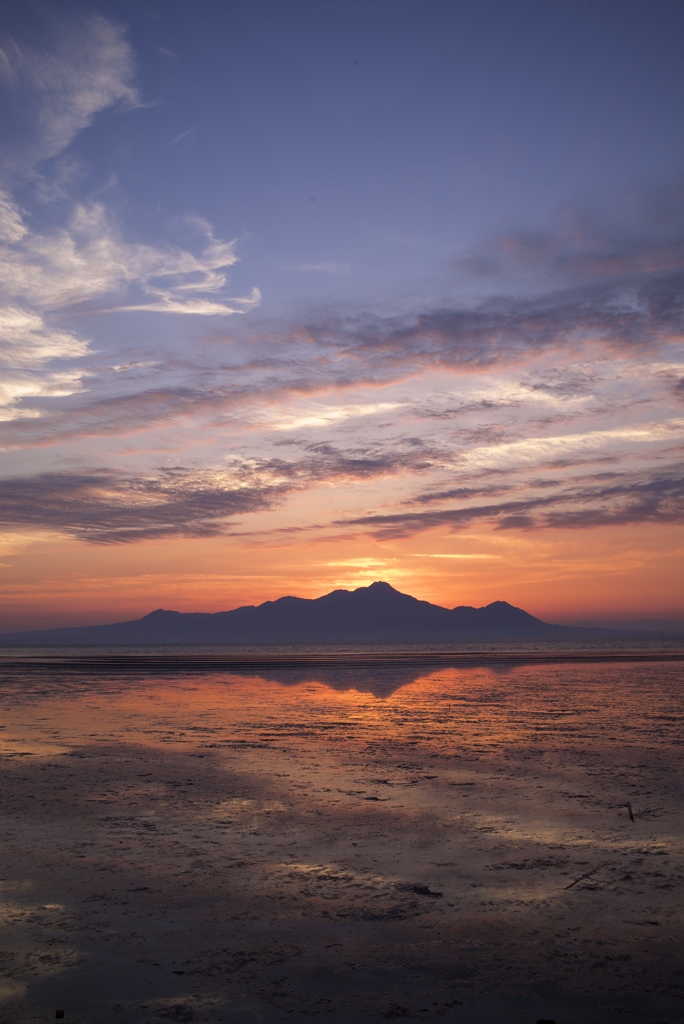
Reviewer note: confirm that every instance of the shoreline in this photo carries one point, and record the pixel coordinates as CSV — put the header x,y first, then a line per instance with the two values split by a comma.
x,y
136,662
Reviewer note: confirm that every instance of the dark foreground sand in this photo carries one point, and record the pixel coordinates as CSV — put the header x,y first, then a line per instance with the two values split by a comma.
x,y
216,848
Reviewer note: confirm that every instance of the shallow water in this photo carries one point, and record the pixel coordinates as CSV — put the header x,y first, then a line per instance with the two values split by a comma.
x,y
342,842
656,643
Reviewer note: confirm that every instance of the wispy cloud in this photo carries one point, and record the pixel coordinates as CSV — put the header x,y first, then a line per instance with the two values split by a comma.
x,y
120,414
454,555
536,451
105,507
27,340
585,245
499,332
655,498
87,263
324,416
83,66
16,385
88,260
54,90
322,267
591,282
183,135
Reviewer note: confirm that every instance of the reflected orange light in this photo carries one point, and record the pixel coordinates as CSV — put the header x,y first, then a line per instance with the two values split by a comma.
x,y
474,708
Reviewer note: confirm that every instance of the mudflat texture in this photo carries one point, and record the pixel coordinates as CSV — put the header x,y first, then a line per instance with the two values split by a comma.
x,y
454,846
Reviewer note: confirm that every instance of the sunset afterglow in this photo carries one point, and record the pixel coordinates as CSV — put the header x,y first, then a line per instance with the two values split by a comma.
x,y
299,297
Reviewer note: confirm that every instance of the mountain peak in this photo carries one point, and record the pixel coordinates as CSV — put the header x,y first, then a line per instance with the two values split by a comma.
x,y
377,613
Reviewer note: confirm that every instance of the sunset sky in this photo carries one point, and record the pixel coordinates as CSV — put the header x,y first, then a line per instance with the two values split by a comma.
x,y
302,294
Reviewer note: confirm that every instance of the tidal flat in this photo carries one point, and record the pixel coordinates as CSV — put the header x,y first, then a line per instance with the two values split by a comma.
x,y
344,844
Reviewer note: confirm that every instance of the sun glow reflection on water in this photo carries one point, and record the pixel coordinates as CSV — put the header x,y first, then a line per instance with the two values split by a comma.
x,y
520,705
343,815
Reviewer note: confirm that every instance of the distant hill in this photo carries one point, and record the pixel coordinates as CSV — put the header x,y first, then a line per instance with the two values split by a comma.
x,y
374,614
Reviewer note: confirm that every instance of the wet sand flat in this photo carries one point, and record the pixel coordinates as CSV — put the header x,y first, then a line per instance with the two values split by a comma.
x,y
343,844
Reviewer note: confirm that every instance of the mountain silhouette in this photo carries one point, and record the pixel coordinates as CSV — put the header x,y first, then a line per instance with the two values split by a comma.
x,y
374,614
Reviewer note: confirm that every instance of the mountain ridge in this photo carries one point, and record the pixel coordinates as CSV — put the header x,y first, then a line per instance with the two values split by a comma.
x,y
374,614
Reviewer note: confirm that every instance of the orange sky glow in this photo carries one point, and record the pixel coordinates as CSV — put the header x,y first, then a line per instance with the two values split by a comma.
x,y
287,354
560,575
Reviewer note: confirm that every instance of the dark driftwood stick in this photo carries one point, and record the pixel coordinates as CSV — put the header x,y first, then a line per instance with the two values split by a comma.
x,y
629,810
587,874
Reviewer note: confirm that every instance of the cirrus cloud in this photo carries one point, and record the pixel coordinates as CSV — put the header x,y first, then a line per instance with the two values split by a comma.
x,y
74,68
54,90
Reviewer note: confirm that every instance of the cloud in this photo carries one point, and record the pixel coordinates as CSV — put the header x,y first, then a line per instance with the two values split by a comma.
x,y
536,451
323,267
42,276
48,273
79,67
462,493
53,88
183,135
565,390
105,507
586,246
322,416
84,66
119,414
590,282
454,555
16,385
506,330
655,498
88,260
330,464
27,340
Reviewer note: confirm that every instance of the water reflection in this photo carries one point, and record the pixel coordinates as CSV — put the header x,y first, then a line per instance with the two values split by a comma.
x,y
375,669
381,682
193,843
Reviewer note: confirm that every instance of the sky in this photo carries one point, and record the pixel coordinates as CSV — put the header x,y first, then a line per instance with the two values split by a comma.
x,y
298,296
